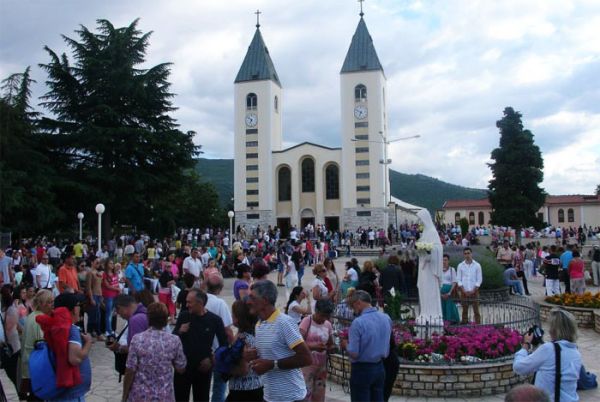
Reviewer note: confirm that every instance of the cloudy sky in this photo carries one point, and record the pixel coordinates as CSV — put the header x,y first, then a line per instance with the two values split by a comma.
x,y
452,66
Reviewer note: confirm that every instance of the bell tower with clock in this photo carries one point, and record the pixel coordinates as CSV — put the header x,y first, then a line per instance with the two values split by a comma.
x,y
257,128
363,113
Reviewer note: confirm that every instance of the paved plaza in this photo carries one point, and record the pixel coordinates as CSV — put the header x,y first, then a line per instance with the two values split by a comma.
x,y
105,386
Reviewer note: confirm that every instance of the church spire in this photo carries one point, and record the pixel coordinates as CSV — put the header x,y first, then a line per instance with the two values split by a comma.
x,y
257,64
361,55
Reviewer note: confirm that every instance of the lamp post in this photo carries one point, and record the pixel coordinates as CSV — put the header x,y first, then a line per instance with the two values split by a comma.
x,y
386,161
230,214
100,210
80,217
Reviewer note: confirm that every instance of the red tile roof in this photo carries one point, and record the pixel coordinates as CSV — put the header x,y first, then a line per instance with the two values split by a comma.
x,y
483,203
550,200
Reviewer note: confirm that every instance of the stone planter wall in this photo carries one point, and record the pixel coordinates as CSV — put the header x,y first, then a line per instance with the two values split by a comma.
x,y
597,321
444,381
584,316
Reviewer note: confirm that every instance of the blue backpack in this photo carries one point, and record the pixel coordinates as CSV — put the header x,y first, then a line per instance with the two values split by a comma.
x,y
227,357
42,371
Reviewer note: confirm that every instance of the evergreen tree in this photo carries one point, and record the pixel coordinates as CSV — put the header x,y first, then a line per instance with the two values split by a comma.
x,y
514,191
110,136
27,203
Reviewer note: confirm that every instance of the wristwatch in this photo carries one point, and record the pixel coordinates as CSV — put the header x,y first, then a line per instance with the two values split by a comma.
x,y
275,364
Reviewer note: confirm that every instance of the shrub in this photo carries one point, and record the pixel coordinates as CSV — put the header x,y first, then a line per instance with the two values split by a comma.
x,y
464,226
491,270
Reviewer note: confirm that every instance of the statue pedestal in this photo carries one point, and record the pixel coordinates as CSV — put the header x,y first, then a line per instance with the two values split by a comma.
x,y
425,326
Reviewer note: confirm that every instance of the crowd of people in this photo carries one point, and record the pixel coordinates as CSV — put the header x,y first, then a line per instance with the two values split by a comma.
x,y
182,338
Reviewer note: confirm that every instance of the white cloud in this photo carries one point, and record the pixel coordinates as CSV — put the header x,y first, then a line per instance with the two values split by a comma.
x,y
452,67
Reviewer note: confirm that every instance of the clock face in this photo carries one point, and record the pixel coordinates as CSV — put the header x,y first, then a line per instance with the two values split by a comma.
x,y
251,119
360,112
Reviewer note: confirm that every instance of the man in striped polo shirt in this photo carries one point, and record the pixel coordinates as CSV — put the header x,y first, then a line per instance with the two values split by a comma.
x,y
280,349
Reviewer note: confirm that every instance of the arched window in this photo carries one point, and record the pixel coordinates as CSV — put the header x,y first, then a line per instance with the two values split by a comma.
x,y
481,219
471,218
457,218
276,103
308,175
251,101
360,93
284,183
561,215
332,183
570,215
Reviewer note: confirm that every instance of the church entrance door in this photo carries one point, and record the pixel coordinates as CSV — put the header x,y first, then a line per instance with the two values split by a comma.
x,y
332,223
284,225
306,221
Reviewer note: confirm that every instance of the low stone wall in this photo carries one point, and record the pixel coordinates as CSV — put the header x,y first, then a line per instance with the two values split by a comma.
x,y
443,381
597,321
584,316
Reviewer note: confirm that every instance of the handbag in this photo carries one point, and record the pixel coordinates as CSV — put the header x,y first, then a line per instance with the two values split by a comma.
x,y
6,351
120,358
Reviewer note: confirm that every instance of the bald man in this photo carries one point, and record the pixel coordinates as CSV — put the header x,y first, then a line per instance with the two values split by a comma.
x,y
526,393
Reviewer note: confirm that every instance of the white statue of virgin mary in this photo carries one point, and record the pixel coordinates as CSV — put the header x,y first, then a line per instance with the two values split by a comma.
x,y
430,276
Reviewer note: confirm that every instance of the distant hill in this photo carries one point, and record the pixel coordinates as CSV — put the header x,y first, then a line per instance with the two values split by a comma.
x,y
416,189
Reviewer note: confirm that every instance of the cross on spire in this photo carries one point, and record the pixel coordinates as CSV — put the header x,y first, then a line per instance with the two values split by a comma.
x,y
258,13
361,10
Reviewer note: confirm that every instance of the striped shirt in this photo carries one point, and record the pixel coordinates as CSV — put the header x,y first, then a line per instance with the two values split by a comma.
x,y
275,338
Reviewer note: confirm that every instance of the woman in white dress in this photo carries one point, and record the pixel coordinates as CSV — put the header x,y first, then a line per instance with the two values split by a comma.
x,y
291,275
429,279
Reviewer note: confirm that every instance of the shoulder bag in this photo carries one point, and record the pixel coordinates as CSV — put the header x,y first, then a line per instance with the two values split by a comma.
x,y
120,358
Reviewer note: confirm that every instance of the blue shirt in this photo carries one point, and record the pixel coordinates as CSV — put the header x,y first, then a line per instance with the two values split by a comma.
x,y
369,336
135,274
5,263
565,259
543,362
85,369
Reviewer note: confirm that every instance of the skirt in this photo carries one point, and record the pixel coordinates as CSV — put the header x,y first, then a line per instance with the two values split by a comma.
x,y
449,310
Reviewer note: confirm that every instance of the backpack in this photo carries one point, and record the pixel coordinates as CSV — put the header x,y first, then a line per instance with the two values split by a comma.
x,y
227,357
586,380
42,371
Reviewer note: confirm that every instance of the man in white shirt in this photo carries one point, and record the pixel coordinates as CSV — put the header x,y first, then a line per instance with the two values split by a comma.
x,y
42,274
218,306
469,280
54,255
193,264
205,257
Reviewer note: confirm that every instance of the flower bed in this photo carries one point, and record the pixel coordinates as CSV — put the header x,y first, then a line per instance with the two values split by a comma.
x,y
456,381
461,344
583,315
587,300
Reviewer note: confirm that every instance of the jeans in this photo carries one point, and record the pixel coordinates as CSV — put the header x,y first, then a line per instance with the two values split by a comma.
x,y
108,305
300,274
94,324
515,284
218,388
366,382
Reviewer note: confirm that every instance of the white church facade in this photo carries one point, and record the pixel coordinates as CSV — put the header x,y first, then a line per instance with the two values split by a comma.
x,y
343,187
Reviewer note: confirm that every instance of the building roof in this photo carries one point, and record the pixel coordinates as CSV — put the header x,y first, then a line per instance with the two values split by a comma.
x,y
257,64
361,55
572,199
452,204
550,200
308,144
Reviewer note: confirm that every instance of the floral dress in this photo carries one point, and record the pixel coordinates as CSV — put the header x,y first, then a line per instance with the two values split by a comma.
x,y
152,355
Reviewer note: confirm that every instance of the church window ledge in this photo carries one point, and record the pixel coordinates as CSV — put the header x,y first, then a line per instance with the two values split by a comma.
x,y
251,179
252,204
362,175
360,150
363,200
251,167
252,131
362,162
252,156
362,137
251,192
251,143
360,124
363,188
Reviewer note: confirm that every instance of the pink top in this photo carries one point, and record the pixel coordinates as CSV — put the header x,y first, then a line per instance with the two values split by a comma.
x,y
317,333
114,281
576,269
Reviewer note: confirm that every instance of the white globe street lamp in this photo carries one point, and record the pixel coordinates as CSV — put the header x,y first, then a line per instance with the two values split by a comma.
x,y
230,214
80,217
100,210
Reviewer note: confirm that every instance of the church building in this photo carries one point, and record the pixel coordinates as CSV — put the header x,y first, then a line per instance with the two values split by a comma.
x,y
342,187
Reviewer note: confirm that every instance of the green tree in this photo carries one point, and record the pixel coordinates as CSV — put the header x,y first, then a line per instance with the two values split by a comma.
x,y
110,135
27,203
514,190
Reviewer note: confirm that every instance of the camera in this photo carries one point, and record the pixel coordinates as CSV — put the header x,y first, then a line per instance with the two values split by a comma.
x,y
538,335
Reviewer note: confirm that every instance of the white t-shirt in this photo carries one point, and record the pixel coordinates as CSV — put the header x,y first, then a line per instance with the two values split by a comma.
x,y
297,317
193,266
42,271
318,283
352,274
218,306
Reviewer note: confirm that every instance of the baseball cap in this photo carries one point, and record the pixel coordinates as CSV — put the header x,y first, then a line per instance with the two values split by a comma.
x,y
68,300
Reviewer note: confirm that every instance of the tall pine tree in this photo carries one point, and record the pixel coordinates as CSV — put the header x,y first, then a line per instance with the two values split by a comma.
x,y
514,191
110,135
